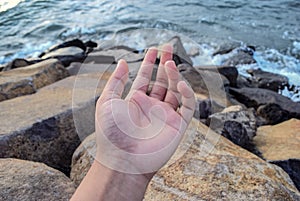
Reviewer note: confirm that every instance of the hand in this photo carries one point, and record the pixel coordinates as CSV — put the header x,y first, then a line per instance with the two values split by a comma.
x,y
139,134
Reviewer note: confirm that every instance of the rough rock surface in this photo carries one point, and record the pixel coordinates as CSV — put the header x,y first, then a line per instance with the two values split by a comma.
x,y
255,97
44,126
280,144
82,159
237,125
213,168
28,80
25,180
267,80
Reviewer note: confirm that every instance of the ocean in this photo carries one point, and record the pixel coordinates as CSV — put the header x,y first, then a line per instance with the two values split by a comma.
x,y
28,27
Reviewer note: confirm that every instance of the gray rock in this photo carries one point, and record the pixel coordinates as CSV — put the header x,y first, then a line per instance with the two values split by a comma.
x,y
25,180
179,54
239,126
240,58
225,48
28,80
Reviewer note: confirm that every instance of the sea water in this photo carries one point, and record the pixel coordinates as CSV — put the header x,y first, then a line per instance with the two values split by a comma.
x,y
28,27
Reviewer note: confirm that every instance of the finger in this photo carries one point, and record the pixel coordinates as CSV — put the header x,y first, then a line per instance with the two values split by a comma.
x,y
160,86
144,75
116,83
188,101
172,96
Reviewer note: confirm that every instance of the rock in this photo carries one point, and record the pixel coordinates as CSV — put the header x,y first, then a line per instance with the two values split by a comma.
x,y
230,72
28,80
82,159
267,80
256,97
26,180
179,54
17,63
236,124
210,84
70,51
47,126
280,144
239,59
213,168
72,43
226,48
272,114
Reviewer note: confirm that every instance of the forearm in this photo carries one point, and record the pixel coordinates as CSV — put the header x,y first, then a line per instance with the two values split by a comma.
x,y
102,183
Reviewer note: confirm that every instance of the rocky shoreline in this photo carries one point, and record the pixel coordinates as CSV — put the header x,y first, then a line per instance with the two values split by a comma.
x,y
47,124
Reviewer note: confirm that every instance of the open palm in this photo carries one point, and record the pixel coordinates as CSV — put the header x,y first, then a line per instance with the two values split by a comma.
x,y
140,134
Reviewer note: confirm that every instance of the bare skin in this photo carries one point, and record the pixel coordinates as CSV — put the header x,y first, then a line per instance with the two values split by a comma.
x,y
138,135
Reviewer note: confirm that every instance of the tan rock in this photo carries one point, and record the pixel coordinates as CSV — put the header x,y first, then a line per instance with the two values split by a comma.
x,y
279,142
44,126
27,80
213,168
25,180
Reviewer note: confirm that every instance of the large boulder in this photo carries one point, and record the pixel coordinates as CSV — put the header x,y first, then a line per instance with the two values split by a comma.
x,y
280,144
213,168
180,55
29,79
25,180
45,126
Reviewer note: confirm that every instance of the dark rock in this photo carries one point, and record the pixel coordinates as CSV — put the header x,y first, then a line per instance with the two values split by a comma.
x,y
28,80
72,43
239,59
25,180
268,80
255,97
292,167
239,126
226,48
179,54
272,114
230,72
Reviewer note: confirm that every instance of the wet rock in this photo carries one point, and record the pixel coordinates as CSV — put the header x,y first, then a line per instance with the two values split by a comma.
x,y
268,80
239,59
179,54
28,80
280,144
230,72
236,124
47,126
212,168
226,48
25,180
256,97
